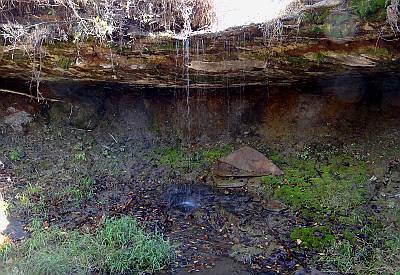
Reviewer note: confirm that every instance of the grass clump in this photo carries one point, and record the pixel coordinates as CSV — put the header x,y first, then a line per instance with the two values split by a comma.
x,y
83,189
378,253
316,16
119,246
319,57
31,201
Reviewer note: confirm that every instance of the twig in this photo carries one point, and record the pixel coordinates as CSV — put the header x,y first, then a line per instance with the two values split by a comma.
x,y
113,138
30,96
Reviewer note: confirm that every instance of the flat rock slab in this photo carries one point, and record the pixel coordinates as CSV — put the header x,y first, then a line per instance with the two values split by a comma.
x,y
246,162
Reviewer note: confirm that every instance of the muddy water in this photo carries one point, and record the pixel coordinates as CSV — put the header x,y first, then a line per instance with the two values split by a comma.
x,y
122,131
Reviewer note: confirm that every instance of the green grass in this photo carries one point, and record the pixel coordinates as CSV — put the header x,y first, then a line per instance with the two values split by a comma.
x,y
316,17
376,51
378,253
83,189
119,246
319,57
64,63
31,201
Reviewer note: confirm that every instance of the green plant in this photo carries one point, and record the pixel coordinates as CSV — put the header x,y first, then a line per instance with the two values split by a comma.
x,y
179,159
317,30
119,246
64,63
319,57
316,17
15,155
80,156
31,201
81,190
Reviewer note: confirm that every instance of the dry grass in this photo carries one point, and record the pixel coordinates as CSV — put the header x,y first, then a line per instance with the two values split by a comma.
x,y
149,15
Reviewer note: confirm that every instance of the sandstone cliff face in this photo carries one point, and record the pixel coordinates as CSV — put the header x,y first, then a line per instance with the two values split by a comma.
x,y
321,42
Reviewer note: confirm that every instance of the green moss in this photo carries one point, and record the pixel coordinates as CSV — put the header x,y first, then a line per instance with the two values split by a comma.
x,y
317,237
172,157
336,185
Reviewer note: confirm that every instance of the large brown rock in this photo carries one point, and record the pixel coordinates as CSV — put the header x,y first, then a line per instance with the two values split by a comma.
x,y
246,162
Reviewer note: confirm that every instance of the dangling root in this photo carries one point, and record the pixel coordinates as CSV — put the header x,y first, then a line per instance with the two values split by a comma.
x,y
30,96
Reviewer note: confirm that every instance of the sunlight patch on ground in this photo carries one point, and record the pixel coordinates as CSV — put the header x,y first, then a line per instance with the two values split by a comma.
x,y
4,222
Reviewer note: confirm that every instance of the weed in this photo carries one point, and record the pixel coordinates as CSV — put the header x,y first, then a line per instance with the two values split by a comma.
x,y
31,201
376,51
316,17
15,155
80,156
83,189
120,246
319,57
172,158
317,30
64,63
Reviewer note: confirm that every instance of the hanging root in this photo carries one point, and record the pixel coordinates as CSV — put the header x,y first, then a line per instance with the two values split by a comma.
x,y
30,96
